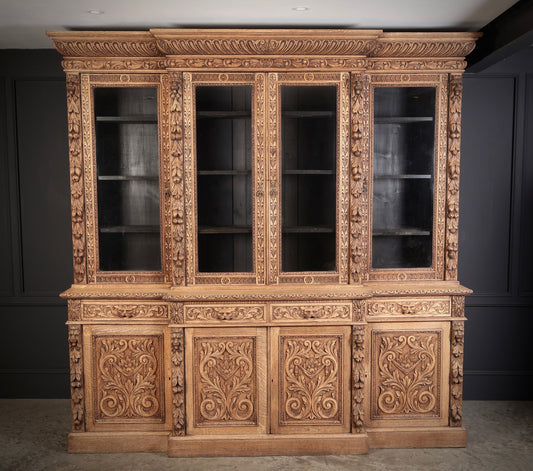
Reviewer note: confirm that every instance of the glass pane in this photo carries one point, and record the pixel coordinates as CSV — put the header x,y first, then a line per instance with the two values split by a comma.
x,y
128,178
224,178
404,147
309,149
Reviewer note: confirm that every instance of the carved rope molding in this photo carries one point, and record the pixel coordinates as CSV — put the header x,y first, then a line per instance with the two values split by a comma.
x,y
76,178
176,178
454,154
359,176
178,381
358,378
76,378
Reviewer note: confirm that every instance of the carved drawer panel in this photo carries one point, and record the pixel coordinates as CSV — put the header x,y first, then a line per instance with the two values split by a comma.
x,y
126,385
130,310
290,312
410,369
402,307
226,381
310,379
216,313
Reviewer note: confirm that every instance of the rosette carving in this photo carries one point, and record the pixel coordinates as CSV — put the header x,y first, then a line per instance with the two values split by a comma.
x,y
128,377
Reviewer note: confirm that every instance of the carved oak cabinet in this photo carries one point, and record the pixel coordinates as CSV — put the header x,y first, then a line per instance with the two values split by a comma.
x,y
265,240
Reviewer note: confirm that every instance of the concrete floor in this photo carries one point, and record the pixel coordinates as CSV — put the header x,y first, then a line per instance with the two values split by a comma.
x,y
33,437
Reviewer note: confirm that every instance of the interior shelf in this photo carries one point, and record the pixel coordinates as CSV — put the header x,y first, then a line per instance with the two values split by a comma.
x,y
308,172
403,177
130,229
402,119
224,172
118,178
408,231
308,230
224,230
223,114
308,114
142,119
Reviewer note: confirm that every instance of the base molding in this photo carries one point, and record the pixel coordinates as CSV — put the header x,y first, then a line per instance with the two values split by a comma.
x,y
427,437
334,444
117,442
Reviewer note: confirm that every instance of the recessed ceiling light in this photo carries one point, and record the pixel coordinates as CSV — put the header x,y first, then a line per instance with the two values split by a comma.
x,y
96,12
301,8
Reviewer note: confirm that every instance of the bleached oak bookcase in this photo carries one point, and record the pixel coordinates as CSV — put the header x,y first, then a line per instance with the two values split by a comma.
x,y
265,240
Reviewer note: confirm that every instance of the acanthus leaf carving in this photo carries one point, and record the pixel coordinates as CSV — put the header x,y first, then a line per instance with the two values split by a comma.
x,y
311,311
125,311
408,307
224,313
76,378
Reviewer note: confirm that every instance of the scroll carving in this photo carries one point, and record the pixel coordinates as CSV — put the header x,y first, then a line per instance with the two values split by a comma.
x,y
311,379
125,311
128,379
176,178
76,177
311,311
408,307
76,378
224,313
358,378
456,374
178,382
359,175
226,384
452,199
407,374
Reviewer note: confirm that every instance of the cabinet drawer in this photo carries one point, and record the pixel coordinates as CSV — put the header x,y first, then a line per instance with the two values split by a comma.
x,y
290,312
130,310
404,307
217,313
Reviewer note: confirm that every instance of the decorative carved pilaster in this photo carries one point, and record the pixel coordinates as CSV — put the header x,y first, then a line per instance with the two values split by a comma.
x,y
456,373
178,382
273,176
452,196
358,378
76,177
176,179
76,378
260,98
359,179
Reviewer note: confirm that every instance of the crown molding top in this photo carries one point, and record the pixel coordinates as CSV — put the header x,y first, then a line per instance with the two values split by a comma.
x,y
262,42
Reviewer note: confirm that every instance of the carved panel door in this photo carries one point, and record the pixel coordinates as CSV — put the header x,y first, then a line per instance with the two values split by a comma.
x,y
409,377
226,381
127,370
310,374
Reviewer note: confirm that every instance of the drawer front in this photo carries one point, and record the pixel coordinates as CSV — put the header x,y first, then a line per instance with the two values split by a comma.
x,y
230,313
290,312
128,310
404,307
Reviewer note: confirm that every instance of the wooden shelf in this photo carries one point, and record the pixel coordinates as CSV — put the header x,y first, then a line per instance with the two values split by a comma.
x,y
223,114
403,119
403,177
119,178
308,230
224,172
224,230
147,119
130,229
309,114
407,231
308,172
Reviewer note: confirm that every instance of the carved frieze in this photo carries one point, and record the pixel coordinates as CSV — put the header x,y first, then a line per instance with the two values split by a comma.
x,y
409,307
76,378
177,381
265,63
406,374
310,311
128,377
224,313
225,378
125,311
311,379
111,64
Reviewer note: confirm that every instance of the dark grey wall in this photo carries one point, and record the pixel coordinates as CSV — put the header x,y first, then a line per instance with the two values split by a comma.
x,y
496,256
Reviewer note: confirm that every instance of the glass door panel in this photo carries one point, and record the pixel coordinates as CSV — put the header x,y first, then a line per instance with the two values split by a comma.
x,y
127,166
403,177
308,184
224,178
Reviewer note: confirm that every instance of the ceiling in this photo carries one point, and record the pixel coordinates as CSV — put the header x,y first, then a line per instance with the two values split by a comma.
x,y
23,22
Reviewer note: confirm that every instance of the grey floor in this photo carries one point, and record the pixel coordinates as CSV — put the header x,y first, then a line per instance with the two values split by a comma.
x,y
33,437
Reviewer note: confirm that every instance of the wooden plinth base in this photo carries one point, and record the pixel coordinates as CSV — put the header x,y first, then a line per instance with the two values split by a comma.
x,y
437,437
345,444
117,442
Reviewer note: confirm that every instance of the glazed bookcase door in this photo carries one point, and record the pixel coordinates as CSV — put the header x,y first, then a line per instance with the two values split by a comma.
x,y
224,177
408,185
125,126
308,177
